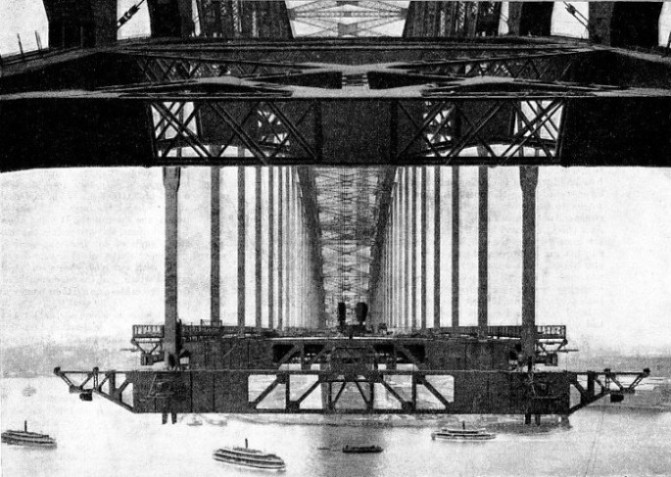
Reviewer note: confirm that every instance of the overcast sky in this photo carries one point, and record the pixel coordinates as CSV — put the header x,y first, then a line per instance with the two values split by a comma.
x,y
82,250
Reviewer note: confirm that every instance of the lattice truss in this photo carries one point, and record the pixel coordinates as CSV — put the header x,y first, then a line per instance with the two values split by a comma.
x,y
173,68
348,202
452,19
256,130
474,18
228,125
223,108
347,18
500,129
546,66
220,17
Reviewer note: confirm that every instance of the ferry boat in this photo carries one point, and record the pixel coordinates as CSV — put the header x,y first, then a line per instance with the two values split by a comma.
x,y
25,438
463,434
361,449
246,457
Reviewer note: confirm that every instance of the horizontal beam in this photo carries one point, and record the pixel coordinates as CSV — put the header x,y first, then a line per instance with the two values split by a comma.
x,y
450,130
202,331
244,391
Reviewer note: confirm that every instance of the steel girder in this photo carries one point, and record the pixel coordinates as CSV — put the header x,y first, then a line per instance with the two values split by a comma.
x,y
168,68
489,101
403,391
185,129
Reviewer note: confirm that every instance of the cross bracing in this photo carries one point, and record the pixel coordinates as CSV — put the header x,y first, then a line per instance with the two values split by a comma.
x,y
348,201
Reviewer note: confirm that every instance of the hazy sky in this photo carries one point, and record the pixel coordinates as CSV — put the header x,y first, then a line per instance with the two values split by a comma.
x,y
82,250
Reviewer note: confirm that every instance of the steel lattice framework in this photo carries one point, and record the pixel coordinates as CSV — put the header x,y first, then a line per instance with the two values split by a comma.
x,y
452,19
311,103
345,18
389,105
348,201
242,19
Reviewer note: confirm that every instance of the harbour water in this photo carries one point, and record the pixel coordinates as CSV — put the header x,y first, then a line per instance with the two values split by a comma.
x,y
101,439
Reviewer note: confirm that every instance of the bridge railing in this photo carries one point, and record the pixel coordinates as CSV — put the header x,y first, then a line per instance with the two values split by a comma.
x,y
191,331
543,332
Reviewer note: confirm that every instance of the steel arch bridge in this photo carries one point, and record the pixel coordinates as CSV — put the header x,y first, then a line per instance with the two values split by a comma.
x,y
356,134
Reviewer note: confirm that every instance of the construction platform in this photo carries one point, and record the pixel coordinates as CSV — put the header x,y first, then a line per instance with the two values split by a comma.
x,y
444,371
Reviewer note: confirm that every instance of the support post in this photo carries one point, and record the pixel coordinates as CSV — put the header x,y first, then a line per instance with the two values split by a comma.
x,y
436,247
241,250
171,178
413,254
396,274
455,246
528,182
406,247
258,278
483,235
271,247
291,259
215,244
422,268
280,248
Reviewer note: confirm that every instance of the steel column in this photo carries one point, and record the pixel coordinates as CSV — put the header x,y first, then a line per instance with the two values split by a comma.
x,y
171,178
271,247
436,247
302,288
385,275
241,251
215,245
483,235
422,300
280,247
394,252
299,283
297,297
529,181
397,247
406,248
400,250
413,242
258,278
455,246
291,244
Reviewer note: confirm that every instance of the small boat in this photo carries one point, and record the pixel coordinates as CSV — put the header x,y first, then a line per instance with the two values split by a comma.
x,y
194,422
474,434
28,391
216,422
25,438
246,457
361,449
